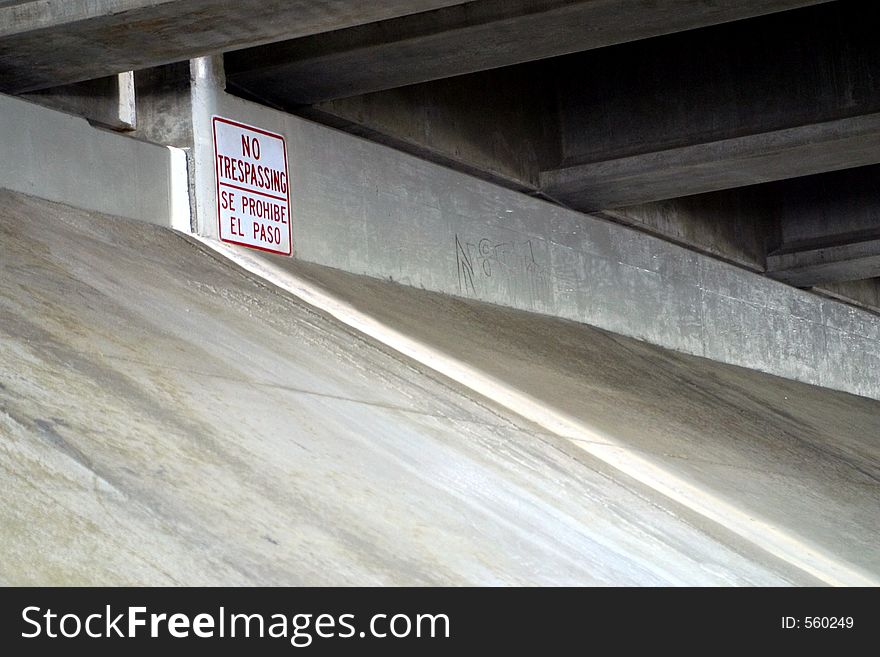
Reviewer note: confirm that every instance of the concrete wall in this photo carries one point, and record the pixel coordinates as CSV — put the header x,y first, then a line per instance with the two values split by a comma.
x,y
865,292
365,208
735,225
502,124
59,157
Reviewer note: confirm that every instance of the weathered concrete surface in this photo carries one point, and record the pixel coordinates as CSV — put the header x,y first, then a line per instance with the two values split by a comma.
x,y
808,231
106,101
367,209
803,459
828,228
829,206
60,157
864,292
734,225
710,166
656,119
828,260
164,105
464,39
447,122
701,111
165,419
390,81
46,43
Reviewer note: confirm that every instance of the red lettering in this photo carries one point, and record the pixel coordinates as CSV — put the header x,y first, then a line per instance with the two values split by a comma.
x,y
250,147
227,200
235,226
267,234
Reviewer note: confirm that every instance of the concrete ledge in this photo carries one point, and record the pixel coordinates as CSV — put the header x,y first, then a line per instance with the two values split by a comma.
x,y
367,209
47,43
109,101
59,157
813,264
725,164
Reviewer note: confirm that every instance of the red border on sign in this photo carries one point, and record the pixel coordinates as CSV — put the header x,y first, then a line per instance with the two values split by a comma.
x,y
214,120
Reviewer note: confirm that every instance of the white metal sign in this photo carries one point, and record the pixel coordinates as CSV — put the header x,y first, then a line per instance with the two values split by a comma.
x,y
253,186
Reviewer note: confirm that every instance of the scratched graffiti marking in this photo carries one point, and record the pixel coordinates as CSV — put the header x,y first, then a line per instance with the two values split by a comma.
x,y
510,263
465,269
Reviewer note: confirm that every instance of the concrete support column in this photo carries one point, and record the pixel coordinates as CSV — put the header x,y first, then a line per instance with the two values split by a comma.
x,y
208,84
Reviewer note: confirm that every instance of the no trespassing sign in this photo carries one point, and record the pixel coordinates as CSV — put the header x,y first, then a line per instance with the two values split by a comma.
x,y
253,186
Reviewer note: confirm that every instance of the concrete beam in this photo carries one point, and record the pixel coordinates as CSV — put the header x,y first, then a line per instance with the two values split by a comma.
x,y
464,39
717,165
109,101
809,264
47,43
774,98
828,229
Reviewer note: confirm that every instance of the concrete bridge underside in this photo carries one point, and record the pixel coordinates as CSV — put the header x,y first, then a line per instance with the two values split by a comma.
x,y
641,188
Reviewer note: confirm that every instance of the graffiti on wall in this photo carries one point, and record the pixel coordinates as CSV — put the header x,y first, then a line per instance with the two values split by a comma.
x,y
484,262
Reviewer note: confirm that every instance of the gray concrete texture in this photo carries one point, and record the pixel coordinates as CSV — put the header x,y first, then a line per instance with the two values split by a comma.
x,y
46,43
657,120
805,264
724,164
167,419
735,225
829,207
812,231
819,472
501,125
784,70
109,101
62,158
828,229
447,122
865,292
464,39
367,209
164,105
786,95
